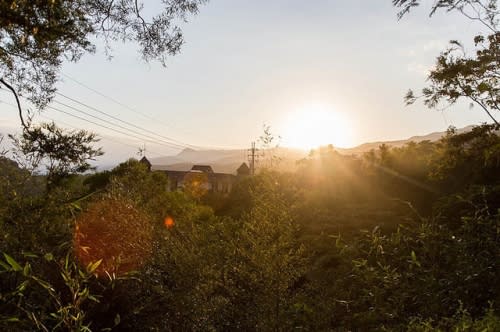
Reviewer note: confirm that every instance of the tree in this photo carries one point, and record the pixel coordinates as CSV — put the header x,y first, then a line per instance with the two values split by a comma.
x,y
484,11
61,153
196,185
425,270
114,231
467,159
272,259
270,144
36,36
458,75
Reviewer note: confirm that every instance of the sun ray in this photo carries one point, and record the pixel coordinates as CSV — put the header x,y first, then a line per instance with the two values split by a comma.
x,y
316,125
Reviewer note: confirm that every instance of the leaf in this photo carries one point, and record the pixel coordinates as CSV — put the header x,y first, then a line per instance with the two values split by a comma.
x,y
11,320
66,262
22,286
5,266
26,270
76,206
44,284
483,87
92,267
65,277
12,262
117,319
414,258
85,249
93,298
29,254
478,39
48,257
84,293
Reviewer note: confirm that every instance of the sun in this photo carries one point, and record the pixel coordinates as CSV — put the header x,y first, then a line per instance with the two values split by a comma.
x,y
316,125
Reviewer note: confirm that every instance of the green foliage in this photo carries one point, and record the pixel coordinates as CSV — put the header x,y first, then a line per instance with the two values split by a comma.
x,y
468,158
196,185
269,144
42,285
48,146
268,244
133,181
206,271
115,233
425,270
284,251
460,322
456,74
421,172
59,301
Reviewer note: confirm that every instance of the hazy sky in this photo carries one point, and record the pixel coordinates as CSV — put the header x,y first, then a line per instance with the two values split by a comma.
x,y
250,62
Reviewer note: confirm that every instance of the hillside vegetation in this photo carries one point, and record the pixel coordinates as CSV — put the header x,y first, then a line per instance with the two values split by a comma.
x,y
403,238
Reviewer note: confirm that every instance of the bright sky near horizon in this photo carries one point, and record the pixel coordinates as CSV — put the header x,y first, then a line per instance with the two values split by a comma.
x,y
249,63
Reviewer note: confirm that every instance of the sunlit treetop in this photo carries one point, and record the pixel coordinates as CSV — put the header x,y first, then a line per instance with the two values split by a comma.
x,y
36,36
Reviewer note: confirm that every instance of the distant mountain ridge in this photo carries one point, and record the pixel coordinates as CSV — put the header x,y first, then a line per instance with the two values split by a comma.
x,y
222,161
227,161
435,136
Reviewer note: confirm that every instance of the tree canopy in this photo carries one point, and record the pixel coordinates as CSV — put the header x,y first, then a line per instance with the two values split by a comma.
x,y
485,11
457,74
37,36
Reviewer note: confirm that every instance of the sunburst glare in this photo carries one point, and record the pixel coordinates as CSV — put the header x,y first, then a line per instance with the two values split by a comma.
x,y
315,125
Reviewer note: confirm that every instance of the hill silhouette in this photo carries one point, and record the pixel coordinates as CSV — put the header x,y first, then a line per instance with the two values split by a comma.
x,y
227,161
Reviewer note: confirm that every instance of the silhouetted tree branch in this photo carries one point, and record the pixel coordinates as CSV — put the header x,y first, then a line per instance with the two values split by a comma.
x,y
17,102
457,74
37,36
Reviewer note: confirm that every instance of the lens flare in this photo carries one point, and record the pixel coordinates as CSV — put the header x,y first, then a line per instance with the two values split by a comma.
x,y
116,232
169,222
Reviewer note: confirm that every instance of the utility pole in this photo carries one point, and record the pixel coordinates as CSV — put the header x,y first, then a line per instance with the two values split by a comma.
x,y
142,151
252,158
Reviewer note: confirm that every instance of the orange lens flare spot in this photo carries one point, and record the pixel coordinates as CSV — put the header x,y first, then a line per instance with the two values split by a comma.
x,y
115,232
169,222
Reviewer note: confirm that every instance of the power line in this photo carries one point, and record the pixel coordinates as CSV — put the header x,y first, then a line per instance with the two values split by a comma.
x,y
105,96
122,121
148,139
178,144
119,126
106,137
166,139
137,112
109,128
114,100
